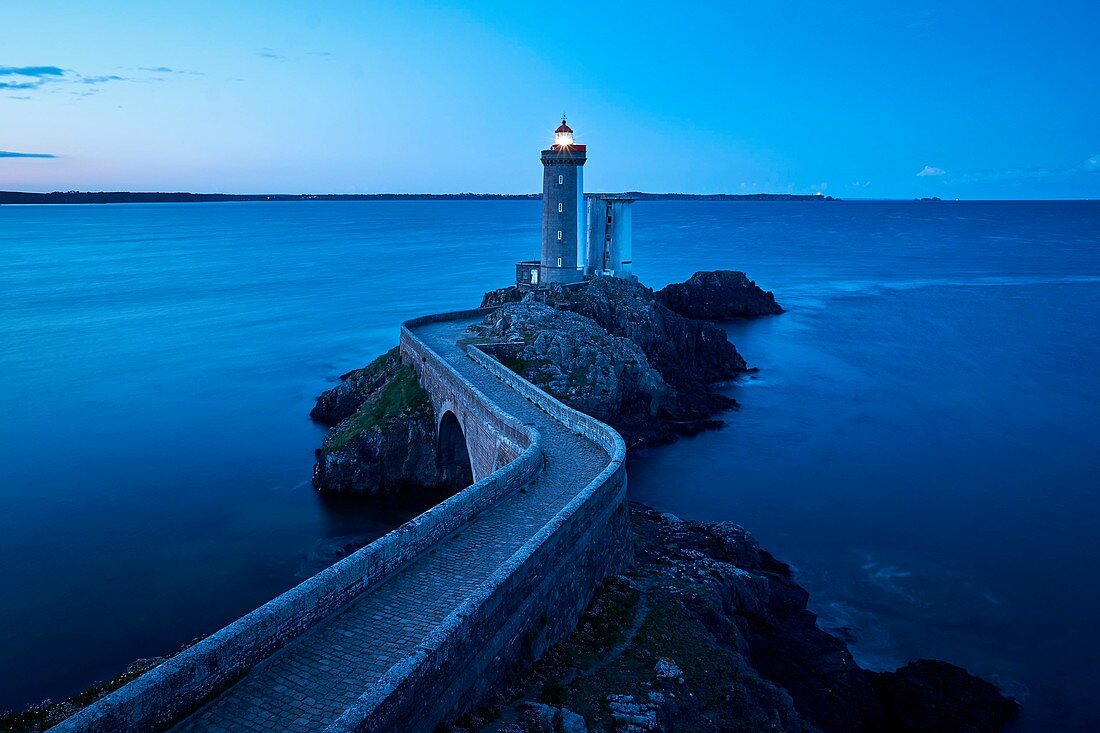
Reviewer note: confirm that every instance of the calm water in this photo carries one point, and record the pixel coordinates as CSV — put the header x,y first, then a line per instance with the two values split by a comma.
x,y
921,442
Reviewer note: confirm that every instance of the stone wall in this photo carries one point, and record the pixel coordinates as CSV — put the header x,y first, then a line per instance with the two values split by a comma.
x,y
532,600
167,693
569,195
599,433
493,438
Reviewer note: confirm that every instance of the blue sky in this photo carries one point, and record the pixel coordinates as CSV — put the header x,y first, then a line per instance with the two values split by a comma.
x,y
854,99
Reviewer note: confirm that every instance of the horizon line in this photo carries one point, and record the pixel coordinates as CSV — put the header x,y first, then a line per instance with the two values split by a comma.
x,y
525,195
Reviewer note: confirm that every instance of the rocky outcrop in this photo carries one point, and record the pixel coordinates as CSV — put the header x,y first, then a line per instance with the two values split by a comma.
x,y
720,295
710,632
383,435
500,296
355,387
609,349
685,351
577,361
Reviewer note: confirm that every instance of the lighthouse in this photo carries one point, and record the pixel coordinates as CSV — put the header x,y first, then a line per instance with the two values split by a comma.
x,y
571,251
563,231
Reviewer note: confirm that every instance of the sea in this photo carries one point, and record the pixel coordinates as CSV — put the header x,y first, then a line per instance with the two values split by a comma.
x,y
921,441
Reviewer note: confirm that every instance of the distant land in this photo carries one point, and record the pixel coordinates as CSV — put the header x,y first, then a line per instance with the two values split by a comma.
x,y
127,197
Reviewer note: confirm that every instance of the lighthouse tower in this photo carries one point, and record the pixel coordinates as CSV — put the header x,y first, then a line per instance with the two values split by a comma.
x,y
563,211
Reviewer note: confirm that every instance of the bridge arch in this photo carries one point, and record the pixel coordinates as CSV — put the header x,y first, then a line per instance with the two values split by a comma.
x,y
453,452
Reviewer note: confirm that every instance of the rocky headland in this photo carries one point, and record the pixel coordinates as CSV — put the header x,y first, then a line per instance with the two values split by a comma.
x,y
707,631
610,348
382,432
719,295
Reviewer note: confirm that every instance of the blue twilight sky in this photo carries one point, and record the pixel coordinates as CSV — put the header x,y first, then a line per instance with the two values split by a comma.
x,y
854,99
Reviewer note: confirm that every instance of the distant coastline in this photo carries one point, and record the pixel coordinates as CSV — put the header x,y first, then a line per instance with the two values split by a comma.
x,y
127,197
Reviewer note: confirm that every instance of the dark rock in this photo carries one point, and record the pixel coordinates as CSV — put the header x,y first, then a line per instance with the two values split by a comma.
x,y
500,296
354,388
384,441
684,351
579,362
609,349
710,632
930,695
720,295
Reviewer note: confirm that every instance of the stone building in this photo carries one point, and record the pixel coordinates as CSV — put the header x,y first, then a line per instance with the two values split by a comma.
x,y
571,250
610,236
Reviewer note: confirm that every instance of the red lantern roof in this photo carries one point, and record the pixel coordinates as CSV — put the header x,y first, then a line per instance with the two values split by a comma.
x,y
564,127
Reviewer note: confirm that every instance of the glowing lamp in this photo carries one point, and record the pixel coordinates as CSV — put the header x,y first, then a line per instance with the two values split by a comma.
x,y
563,136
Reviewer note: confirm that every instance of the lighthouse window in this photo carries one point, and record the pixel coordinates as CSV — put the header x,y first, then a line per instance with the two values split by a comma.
x,y
559,235
559,260
559,208
561,180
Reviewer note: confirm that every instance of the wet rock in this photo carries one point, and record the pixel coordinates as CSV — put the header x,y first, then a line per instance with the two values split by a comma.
x,y
720,295
930,695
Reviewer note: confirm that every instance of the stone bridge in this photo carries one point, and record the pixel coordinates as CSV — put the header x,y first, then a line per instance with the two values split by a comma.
x,y
413,629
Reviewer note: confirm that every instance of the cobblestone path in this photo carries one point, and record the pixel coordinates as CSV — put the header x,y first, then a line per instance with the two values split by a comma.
x,y
308,683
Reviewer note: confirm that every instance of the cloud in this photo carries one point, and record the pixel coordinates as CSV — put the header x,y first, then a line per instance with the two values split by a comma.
x,y
1087,166
168,70
68,81
276,55
100,79
10,154
38,71
931,171
28,77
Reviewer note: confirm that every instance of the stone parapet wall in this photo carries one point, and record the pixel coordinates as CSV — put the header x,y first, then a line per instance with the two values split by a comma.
x,y
172,690
493,438
531,601
600,433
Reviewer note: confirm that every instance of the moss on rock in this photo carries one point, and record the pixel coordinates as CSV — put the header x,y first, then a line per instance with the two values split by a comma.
x,y
402,392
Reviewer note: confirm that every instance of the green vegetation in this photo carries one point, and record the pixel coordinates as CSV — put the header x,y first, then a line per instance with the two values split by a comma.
x,y
402,392
621,638
382,363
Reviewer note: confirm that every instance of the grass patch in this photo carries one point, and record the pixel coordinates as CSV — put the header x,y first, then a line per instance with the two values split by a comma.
x,y
402,392
380,364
